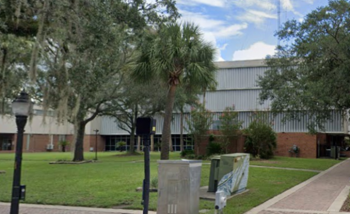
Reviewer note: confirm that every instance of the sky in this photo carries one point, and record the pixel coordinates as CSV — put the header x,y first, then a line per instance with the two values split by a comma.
x,y
243,29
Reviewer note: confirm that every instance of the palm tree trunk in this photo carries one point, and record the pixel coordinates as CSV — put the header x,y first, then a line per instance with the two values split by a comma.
x,y
79,142
164,155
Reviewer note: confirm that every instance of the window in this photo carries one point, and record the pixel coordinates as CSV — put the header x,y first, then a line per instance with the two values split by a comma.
x,y
5,144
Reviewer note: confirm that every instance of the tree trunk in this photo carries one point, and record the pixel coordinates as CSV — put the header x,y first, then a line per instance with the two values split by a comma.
x,y
132,141
164,155
204,93
132,132
79,142
181,131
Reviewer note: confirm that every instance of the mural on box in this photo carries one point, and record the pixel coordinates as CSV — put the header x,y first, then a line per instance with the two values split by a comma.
x,y
236,180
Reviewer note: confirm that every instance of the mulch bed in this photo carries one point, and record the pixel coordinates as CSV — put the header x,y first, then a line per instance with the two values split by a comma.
x,y
346,205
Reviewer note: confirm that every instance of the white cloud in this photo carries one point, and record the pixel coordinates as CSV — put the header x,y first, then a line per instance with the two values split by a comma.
x,y
214,3
258,50
267,5
204,21
233,30
288,6
309,1
218,27
210,38
213,29
256,17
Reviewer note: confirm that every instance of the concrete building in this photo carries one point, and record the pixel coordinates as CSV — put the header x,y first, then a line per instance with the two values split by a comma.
x,y
236,86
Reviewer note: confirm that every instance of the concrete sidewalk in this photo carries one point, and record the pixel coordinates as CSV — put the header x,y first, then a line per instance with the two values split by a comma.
x,y
324,193
49,209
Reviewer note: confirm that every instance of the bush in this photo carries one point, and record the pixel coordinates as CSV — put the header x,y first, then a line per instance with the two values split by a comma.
x,y
63,145
214,148
154,183
229,127
121,146
199,123
187,154
260,138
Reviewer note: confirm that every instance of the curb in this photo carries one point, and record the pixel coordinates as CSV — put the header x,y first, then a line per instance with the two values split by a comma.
x,y
71,208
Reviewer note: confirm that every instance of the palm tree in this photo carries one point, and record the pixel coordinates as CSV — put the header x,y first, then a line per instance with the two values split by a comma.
x,y
176,54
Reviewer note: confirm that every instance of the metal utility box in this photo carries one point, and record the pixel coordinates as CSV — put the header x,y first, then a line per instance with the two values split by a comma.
x,y
214,174
232,174
178,187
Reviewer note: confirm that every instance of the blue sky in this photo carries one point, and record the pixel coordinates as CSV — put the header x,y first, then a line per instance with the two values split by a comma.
x,y
243,29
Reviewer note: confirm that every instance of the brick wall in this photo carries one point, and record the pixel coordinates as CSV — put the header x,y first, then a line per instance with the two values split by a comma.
x,y
345,153
90,141
39,142
307,144
322,138
235,146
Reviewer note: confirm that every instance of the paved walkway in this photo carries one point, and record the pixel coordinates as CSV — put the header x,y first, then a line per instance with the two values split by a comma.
x,y
324,193
48,209
284,168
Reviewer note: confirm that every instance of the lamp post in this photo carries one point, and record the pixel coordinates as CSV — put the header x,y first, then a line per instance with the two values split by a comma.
x,y
21,108
96,131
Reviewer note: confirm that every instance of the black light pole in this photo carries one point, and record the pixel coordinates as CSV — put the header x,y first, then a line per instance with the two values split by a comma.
x,y
147,173
145,127
96,131
21,108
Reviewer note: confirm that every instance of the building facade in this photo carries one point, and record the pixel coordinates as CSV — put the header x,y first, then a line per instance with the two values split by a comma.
x,y
236,87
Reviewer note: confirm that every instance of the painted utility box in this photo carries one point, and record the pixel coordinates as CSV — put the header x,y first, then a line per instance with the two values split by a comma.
x,y
178,187
231,175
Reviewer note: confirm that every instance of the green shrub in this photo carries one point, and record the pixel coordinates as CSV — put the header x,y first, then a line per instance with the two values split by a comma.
x,y
211,138
201,157
214,148
63,145
121,146
154,183
260,137
199,124
229,127
191,156
187,153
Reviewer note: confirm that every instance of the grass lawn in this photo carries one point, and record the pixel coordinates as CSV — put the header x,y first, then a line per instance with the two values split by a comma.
x,y
298,163
111,182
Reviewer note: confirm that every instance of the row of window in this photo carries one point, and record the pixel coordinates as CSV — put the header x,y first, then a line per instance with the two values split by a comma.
x,y
113,143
